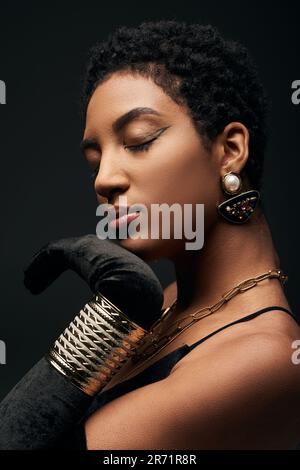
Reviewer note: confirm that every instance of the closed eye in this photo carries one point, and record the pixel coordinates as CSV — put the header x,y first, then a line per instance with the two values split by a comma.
x,y
140,147
134,148
145,145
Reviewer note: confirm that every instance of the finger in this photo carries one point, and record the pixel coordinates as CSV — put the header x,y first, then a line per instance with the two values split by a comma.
x,y
42,271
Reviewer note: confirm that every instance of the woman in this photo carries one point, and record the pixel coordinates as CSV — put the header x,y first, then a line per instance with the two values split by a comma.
x,y
176,114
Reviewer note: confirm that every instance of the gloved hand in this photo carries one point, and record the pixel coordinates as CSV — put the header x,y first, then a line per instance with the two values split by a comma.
x,y
43,409
124,278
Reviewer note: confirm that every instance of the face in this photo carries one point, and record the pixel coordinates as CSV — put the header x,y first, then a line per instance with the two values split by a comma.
x,y
154,157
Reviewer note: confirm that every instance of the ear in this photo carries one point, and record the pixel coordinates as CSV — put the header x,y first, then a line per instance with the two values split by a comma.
x,y
233,148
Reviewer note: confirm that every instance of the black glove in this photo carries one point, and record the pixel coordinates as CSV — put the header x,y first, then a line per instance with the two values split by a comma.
x,y
43,409
124,278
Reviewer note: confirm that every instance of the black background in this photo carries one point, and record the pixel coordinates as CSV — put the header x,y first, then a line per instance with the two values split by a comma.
x,y
46,191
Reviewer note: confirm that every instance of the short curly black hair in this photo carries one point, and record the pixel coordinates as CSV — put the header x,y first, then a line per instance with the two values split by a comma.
x,y
215,78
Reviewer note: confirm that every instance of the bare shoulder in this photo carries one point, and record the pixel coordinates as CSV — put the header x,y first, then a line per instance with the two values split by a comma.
x,y
273,329
264,360
261,372
244,395
256,351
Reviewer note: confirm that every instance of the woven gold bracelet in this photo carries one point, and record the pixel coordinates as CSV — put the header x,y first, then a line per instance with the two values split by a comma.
x,y
95,345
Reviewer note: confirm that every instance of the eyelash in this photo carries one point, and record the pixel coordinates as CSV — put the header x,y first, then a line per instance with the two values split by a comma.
x,y
133,148
141,147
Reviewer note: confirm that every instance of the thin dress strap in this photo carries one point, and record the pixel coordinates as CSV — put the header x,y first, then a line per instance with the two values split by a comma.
x,y
246,318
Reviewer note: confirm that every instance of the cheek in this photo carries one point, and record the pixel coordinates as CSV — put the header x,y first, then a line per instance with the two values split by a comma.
x,y
183,173
176,173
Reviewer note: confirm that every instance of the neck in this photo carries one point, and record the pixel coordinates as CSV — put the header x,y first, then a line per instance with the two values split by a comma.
x,y
231,254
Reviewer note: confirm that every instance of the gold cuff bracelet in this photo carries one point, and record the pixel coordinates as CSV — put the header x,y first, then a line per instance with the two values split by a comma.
x,y
95,345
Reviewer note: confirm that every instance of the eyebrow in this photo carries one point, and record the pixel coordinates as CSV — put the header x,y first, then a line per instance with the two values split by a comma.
x,y
119,123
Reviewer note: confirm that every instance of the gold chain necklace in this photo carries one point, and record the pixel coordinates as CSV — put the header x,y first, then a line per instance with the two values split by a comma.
x,y
155,343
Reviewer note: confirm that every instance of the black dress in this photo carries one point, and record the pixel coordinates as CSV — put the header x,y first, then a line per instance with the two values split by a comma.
x,y
155,372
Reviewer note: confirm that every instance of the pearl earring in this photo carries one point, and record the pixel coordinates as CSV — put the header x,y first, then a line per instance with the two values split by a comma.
x,y
238,209
231,183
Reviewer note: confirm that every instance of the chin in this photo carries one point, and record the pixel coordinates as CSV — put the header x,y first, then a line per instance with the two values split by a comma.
x,y
150,249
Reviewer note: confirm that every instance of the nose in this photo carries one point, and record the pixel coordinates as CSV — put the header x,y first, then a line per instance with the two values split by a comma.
x,y
111,178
